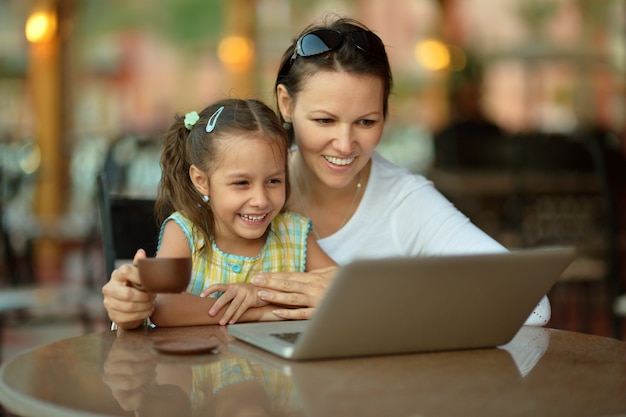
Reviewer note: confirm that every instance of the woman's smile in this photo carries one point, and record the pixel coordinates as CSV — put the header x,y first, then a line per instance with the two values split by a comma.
x,y
339,161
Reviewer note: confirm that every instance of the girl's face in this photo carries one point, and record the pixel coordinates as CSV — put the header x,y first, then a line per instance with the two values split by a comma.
x,y
246,190
338,121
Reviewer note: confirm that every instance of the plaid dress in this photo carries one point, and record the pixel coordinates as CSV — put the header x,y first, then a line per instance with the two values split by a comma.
x,y
284,251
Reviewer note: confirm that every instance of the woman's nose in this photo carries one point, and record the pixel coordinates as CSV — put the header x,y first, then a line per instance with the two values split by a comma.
x,y
344,140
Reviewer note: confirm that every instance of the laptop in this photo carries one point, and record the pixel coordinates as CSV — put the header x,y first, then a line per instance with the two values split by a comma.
x,y
417,304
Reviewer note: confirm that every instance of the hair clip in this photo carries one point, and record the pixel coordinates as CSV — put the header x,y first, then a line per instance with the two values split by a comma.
x,y
210,126
191,119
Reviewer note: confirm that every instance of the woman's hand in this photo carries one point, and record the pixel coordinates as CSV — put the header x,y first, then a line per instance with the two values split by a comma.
x,y
301,291
240,296
126,304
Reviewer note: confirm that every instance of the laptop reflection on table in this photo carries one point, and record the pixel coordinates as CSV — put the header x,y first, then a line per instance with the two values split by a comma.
x,y
430,377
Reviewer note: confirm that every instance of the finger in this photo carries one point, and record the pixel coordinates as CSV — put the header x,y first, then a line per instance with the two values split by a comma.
x,y
211,289
243,306
289,299
128,296
278,280
235,318
122,311
279,284
140,254
220,303
271,275
128,400
230,311
294,314
128,379
125,274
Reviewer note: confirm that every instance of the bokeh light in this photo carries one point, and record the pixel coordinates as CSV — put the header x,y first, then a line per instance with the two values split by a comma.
x,y
235,52
41,26
432,55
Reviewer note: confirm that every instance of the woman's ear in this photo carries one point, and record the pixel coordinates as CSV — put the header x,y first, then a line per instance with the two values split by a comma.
x,y
199,179
284,102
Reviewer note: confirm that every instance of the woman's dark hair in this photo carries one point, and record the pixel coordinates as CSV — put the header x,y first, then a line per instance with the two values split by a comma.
x,y
347,58
185,147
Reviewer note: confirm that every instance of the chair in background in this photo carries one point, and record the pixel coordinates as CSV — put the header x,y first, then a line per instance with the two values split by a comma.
x,y
478,173
615,162
547,189
128,223
564,199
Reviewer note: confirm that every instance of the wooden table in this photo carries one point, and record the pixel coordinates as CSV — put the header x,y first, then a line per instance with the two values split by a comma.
x,y
542,372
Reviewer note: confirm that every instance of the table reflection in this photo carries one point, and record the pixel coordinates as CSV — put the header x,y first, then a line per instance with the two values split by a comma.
x,y
148,383
540,372
238,379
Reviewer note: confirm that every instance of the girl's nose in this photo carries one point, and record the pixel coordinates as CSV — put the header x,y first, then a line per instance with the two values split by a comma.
x,y
259,197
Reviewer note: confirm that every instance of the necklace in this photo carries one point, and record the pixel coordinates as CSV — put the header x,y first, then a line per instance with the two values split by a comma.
x,y
350,207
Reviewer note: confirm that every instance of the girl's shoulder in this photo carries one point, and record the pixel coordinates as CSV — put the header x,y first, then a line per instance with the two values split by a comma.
x,y
289,219
179,217
184,222
291,226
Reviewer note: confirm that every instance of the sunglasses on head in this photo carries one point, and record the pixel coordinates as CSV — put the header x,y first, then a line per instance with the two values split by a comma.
x,y
321,41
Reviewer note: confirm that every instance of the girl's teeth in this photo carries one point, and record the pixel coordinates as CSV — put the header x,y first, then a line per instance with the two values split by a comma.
x,y
252,218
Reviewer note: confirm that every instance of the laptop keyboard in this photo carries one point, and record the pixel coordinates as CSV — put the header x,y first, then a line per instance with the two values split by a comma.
x,y
290,337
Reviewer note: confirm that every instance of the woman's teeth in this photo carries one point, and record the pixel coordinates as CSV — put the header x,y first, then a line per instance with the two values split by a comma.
x,y
339,161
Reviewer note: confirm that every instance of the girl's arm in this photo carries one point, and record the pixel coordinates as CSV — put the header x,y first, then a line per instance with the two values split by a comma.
x,y
186,309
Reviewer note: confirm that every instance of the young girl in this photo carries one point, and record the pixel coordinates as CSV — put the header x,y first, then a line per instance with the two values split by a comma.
x,y
221,198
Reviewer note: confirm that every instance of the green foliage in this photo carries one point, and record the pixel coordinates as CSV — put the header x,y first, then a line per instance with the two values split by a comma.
x,y
535,13
183,22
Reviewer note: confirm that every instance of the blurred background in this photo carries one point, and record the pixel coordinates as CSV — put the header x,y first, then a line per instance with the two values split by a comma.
x,y
516,109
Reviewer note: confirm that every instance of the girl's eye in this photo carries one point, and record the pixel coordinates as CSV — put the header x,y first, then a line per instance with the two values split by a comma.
x,y
240,183
275,181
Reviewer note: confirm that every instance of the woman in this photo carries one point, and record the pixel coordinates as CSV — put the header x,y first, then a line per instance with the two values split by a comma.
x,y
332,93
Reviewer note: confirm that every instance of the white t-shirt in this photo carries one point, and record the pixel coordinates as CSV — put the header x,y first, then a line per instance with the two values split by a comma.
x,y
402,214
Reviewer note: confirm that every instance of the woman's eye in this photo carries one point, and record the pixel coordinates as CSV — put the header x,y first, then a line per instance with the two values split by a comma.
x,y
323,121
367,122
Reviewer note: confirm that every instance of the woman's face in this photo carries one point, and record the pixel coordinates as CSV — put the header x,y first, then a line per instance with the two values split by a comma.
x,y
338,121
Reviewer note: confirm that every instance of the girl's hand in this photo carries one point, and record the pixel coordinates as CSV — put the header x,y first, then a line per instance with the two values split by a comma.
x,y
302,290
240,296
